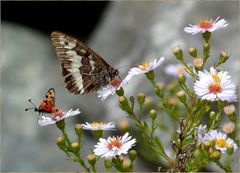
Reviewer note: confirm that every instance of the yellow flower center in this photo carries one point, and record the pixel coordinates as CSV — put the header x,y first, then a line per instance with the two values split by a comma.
x,y
214,88
216,78
94,124
221,143
144,66
205,23
114,143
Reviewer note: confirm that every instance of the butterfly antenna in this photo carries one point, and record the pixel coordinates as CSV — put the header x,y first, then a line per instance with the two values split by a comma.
x,y
127,66
34,106
28,109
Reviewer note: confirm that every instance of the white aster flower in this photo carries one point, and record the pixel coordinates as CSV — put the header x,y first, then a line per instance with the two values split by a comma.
x,y
175,70
221,140
210,136
45,120
116,84
231,143
214,86
201,133
99,126
113,146
145,67
205,25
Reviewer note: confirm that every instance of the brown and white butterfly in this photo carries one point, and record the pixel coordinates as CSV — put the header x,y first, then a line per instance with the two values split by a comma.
x,y
84,70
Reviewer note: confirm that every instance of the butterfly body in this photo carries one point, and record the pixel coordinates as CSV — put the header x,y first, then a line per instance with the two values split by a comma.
x,y
84,70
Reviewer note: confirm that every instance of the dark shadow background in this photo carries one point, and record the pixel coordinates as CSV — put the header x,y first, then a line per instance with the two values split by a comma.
x,y
77,18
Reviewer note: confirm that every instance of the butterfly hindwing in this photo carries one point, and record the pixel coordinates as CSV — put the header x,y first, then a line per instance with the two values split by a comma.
x,y
84,70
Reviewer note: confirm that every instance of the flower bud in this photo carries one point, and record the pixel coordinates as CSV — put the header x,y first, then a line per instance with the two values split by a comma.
x,y
211,150
206,47
229,109
122,100
229,127
124,104
153,114
212,115
132,100
177,51
91,159
230,149
182,96
207,144
216,155
172,86
126,164
61,142
224,57
193,52
172,100
198,63
149,102
181,78
78,129
132,155
141,98
161,85
230,112
108,163
75,147
123,124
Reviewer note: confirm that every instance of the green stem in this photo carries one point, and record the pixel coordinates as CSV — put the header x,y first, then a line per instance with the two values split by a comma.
x,y
227,169
94,168
76,154
81,162
66,138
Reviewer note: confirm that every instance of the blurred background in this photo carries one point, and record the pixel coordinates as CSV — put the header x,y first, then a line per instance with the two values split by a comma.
x,y
124,33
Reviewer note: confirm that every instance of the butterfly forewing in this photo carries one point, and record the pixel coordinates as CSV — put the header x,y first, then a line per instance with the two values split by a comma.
x,y
48,101
83,69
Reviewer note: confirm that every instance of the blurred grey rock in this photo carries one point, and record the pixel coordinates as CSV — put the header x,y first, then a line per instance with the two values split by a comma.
x,y
129,33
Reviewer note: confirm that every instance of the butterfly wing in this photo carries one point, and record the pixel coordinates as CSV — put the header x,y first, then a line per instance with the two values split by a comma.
x,y
48,102
84,70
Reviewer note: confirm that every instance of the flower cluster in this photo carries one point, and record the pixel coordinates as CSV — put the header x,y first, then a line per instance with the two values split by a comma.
x,y
184,102
219,139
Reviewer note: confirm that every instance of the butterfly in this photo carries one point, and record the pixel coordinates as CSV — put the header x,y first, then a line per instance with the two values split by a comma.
x,y
84,70
47,105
